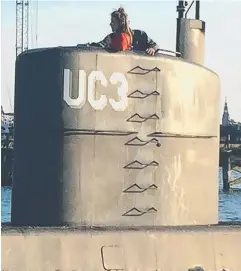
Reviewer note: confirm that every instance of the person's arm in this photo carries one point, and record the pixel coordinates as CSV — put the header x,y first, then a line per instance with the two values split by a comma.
x,y
105,42
151,46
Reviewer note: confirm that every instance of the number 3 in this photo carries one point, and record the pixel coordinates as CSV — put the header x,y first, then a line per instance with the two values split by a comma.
x,y
122,104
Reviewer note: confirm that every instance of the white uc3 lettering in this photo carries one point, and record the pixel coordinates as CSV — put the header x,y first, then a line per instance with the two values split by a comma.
x,y
101,102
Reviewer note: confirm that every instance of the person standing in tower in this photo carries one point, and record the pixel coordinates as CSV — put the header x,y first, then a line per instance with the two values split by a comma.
x,y
121,37
139,41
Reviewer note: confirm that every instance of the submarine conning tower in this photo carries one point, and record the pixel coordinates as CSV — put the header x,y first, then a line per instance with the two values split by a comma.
x,y
115,139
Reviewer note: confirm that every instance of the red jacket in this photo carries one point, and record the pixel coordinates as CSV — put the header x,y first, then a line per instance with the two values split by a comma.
x,y
121,41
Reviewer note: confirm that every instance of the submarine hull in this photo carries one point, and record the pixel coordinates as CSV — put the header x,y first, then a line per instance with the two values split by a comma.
x,y
130,174
212,248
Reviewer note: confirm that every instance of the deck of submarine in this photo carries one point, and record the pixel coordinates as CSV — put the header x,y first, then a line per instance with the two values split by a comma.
x,y
8,229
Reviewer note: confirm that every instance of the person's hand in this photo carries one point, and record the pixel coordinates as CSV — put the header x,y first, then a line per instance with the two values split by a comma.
x,y
151,51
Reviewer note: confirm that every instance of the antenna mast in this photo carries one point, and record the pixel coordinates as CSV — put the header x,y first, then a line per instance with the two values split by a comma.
x,y
22,25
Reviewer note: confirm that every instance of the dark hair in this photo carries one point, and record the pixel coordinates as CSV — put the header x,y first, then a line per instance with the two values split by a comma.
x,y
122,19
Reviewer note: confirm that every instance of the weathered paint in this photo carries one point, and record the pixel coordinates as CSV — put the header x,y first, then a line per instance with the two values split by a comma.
x,y
171,103
192,40
178,113
214,248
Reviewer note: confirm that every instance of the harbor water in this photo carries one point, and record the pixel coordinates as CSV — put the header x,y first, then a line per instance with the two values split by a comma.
x,y
229,203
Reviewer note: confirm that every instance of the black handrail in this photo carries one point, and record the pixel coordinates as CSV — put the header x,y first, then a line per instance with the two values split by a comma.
x,y
97,45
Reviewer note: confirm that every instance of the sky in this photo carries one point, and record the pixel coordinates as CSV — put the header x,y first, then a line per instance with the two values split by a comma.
x,y
68,23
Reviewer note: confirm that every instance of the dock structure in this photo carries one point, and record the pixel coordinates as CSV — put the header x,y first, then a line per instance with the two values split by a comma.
x,y
6,166
230,149
230,161
237,180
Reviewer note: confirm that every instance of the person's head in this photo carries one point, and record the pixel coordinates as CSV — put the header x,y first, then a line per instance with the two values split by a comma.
x,y
119,21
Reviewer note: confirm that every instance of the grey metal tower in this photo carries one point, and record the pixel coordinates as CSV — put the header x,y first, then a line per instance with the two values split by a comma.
x,y
22,25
